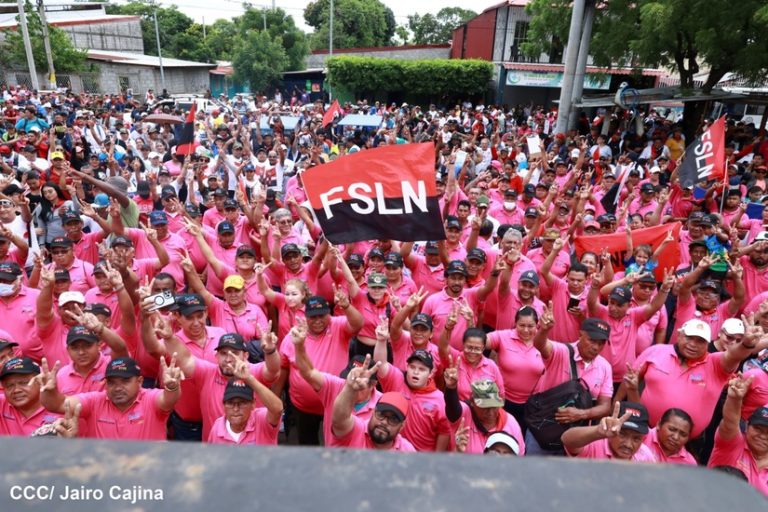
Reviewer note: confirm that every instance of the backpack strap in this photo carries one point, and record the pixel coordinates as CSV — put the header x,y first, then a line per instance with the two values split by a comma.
x,y
571,357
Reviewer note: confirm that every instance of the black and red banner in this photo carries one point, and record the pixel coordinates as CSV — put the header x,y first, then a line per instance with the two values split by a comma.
x,y
185,137
382,193
331,113
705,158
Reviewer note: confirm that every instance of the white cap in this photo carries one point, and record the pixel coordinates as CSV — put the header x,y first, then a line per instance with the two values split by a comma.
x,y
762,236
654,169
575,153
71,297
733,326
154,154
505,439
697,328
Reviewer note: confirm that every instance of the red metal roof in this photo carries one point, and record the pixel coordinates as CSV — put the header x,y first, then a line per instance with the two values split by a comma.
x,y
525,66
382,48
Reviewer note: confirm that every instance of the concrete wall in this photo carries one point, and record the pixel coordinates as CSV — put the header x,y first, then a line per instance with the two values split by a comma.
x,y
124,36
142,78
317,60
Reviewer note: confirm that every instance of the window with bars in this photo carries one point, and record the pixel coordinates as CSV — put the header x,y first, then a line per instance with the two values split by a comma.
x,y
520,37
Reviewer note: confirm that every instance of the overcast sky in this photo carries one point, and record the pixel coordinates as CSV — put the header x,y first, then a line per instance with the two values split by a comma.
x,y
202,9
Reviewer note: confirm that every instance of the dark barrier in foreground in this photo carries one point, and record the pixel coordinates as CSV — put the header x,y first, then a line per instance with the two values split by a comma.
x,y
54,475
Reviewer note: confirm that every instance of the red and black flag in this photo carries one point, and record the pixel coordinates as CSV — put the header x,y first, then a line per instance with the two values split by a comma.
x,y
705,158
331,113
185,135
386,193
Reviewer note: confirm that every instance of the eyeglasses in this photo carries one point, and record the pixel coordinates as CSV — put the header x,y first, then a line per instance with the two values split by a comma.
x,y
389,419
6,204
60,253
474,350
286,222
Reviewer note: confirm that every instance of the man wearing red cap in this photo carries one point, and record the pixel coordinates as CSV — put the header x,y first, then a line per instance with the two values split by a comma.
x,y
382,430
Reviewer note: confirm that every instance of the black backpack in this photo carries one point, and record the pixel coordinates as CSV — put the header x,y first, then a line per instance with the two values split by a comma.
x,y
541,407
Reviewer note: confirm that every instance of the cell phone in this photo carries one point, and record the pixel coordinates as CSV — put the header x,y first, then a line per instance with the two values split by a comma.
x,y
161,300
573,302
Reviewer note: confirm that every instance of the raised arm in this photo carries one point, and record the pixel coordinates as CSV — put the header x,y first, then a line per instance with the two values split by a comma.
x,y
342,420
271,401
576,438
546,268
737,389
541,340
309,373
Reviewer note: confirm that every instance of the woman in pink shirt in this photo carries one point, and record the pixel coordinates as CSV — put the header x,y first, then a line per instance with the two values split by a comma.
x,y
289,303
667,440
243,423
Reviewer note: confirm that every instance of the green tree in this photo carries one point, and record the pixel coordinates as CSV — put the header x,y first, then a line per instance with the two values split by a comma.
x,y
682,35
279,24
437,29
219,39
259,60
356,23
66,58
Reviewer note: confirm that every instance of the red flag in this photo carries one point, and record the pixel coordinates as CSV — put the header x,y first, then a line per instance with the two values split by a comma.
x,y
387,192
616,245
185,137
705,158
330,114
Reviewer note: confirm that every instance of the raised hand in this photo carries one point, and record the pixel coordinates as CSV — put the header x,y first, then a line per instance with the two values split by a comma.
x,y
298,332
114,276
453,317
67,426
340,296
359,378
47,377
461,438
171,373
738,386
416,298
382,330
451,373
558,245
162,327
631,378
47,276
150,232
269,340
610,426
241,369
547,319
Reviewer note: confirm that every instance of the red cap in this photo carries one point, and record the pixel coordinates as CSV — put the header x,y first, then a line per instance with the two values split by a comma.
x,y
395,402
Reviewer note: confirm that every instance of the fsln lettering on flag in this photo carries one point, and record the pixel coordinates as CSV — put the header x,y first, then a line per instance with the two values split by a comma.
x,y
386,193
705,158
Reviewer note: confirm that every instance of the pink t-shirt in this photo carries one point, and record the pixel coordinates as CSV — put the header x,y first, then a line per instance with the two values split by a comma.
x,y
755,280
286,317
477,438
431,278
520,364
621,348
212,217
596,375
81,275
757,394
510,303
404,290
358,437
566,325
559,268
96,296
681,457
600,450
54,340
257,430
492,302
70,382
327,394
486,369
695,388
426,416
87,248
686,310
439,306
14,423
328,351
403,347
22,308
246,323
646,334
142,421
188,406
735,452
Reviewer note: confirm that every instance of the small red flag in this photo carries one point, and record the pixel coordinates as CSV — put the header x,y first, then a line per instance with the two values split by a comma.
x,y
185,143
330,114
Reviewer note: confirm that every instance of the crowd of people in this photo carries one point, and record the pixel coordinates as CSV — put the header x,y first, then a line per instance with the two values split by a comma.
x,y
148,294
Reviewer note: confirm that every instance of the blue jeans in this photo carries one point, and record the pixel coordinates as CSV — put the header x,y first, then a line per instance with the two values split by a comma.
x,y
532,448
184,430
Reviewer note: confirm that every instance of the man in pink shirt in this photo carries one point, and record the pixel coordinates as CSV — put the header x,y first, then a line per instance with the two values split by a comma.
x,y
746,451
526,293
52,326
426,270
19,303
86,371
80,272
124,410
569,297
754,261
243,423
382,430
20,410
213,216
616,437
8,347
645,203
86,245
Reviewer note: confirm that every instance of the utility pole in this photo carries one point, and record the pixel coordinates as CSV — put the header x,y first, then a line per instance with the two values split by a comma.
x,y
571,56
203,28
159,51
330,47
28,46
581,63
47,45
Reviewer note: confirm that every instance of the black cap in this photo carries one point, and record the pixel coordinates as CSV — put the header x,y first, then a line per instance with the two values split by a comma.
x,y
638,419
759,416
97,308
423,356
124,367
188,303
61,241
225,227
219,192
477,254
510,192
192,210
100,267
289,249
79,332
709,283
422,319
355,259
531,212
355,362
121,240
167,192
621,294
647,277
431,248
530,276
245,249
9,270
5,343
596,329
697,243
70,216
456,267
62,275
238,389
19,366
453,224
158,218
231,203
231,340
394,259
316,306
529,190
375,253
647,188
